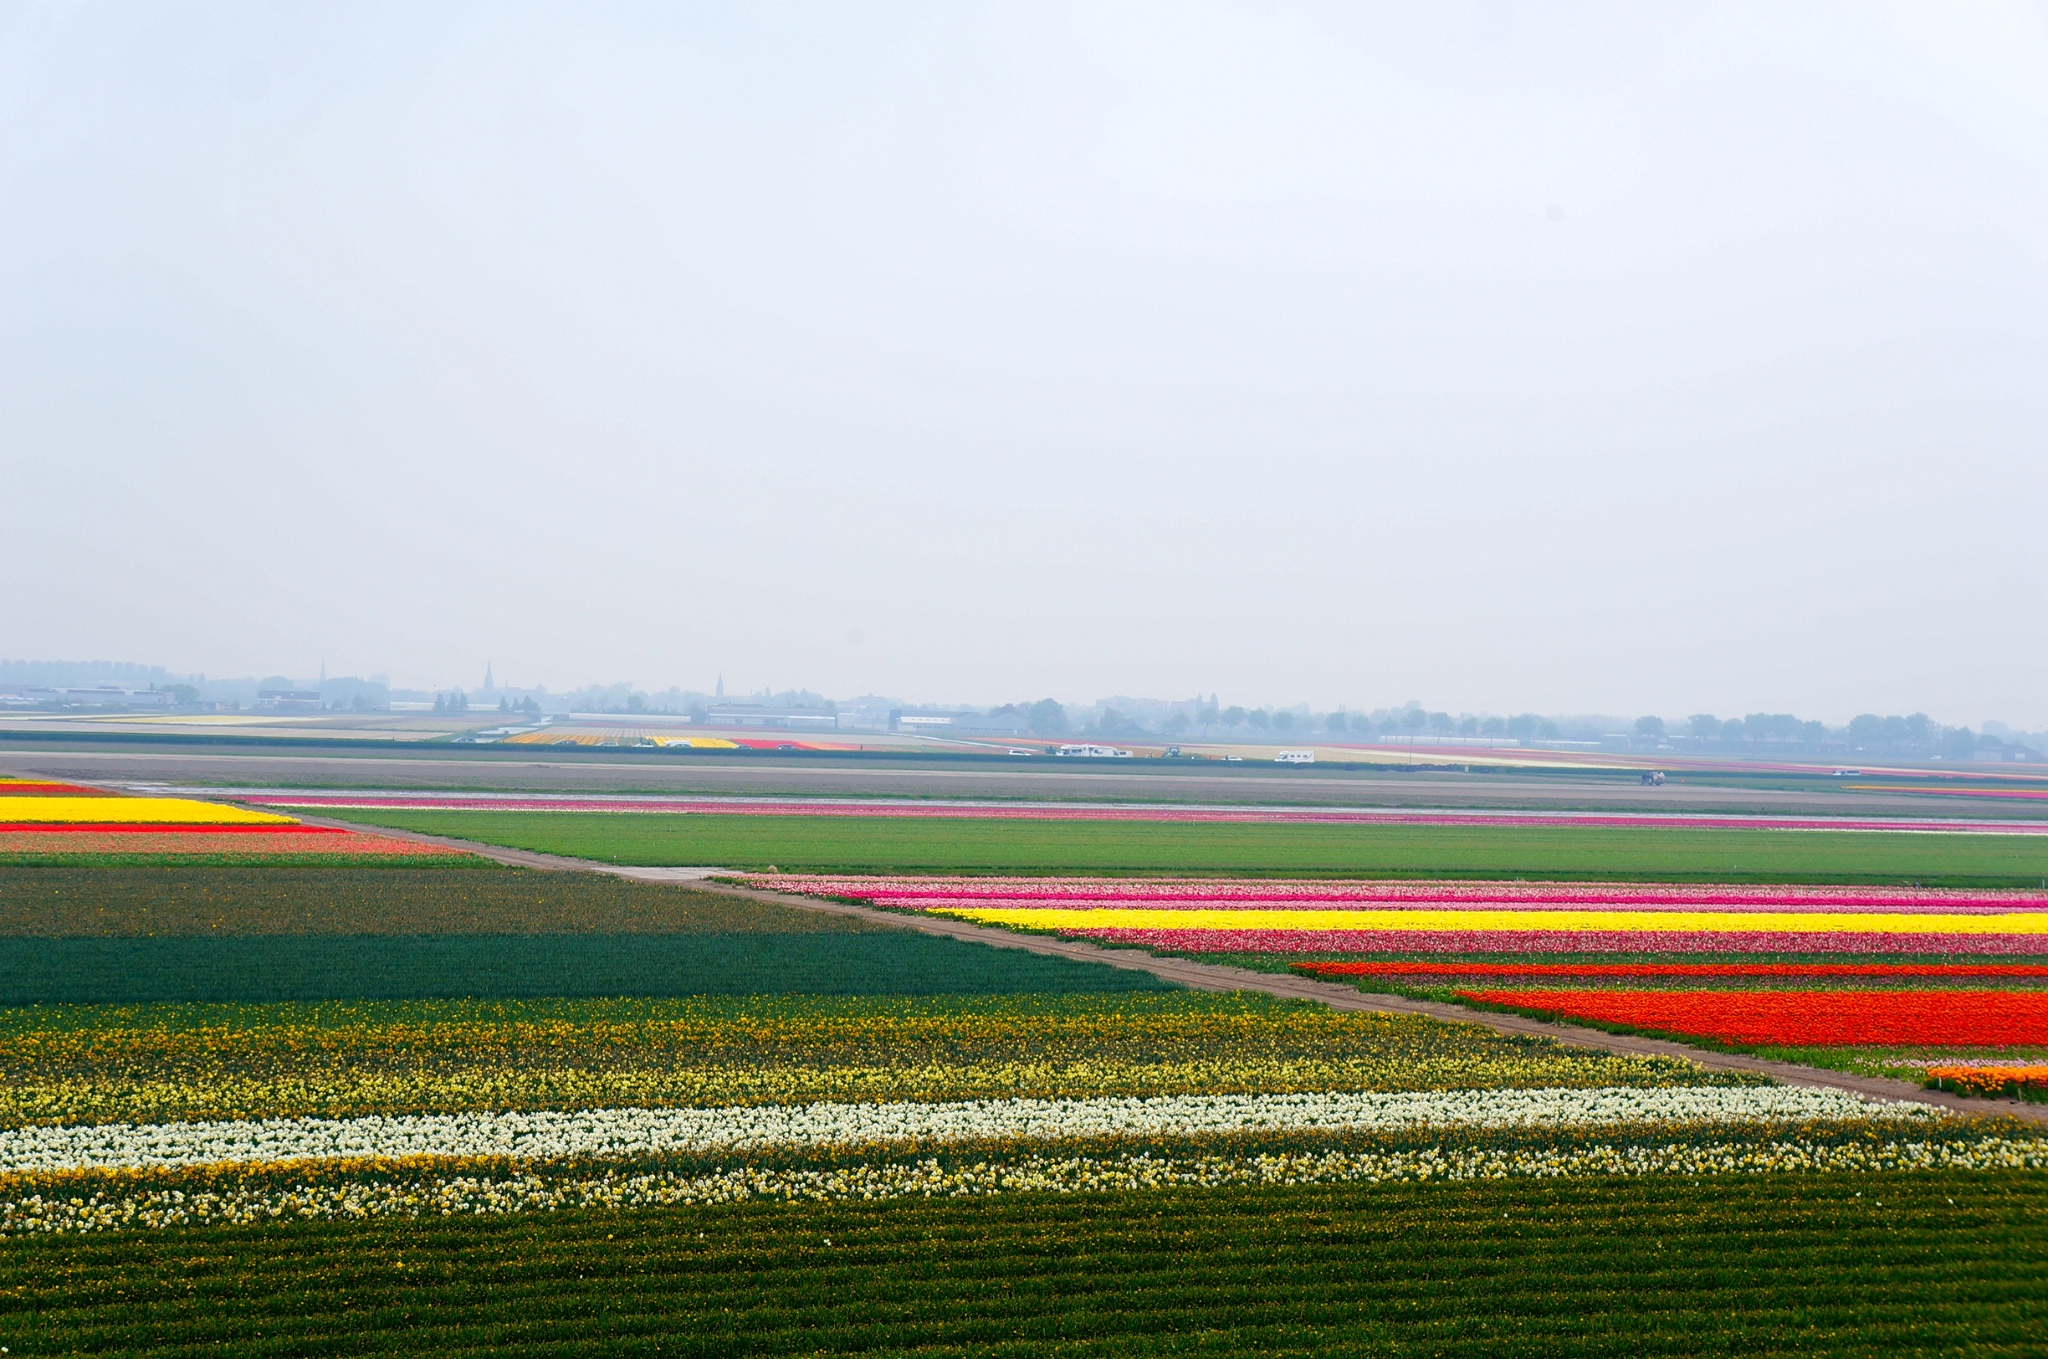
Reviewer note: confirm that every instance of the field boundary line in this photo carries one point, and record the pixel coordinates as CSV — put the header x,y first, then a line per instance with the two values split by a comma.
x,y
1220,977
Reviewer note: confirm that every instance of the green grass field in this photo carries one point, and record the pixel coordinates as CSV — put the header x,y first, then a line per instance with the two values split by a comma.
x,y
906,844
1935,1262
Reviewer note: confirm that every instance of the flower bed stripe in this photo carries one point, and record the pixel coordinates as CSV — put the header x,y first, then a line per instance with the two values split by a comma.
x,y
1990,1080
1256,894
1026,811
1534,921
644,1132
430,1191
1805,1018
1879,971
73,843
261,828
1567,941
134,811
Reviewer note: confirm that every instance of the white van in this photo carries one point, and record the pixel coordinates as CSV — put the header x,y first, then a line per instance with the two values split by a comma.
x,y
1295,757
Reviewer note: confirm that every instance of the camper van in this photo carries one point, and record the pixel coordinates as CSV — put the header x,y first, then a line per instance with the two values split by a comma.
x,y
1295,757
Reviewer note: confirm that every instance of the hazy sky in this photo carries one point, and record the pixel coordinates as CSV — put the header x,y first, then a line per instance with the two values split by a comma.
x,y
1630,358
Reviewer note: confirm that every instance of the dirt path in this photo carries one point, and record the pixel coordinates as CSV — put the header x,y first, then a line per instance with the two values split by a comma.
x,y
1218,977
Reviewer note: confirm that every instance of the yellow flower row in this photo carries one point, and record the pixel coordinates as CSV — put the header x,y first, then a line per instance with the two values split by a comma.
x,y
130,1063
345,1091
152,811
1710,922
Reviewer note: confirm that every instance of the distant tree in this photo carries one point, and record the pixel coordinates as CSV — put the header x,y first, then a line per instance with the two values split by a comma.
x,y
1771,727
529,707
1115,723
1283,721
1468,726
1178,724
1414,719
1650,726
1338,722
1259,719
1703,726
1958,743
440,703
1523,726
1441,722
1494,726
1048,718
1233,717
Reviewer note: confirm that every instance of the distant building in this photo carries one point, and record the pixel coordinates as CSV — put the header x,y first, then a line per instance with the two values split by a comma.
x,y
964,722
769,715
98,696
288,700
2003,753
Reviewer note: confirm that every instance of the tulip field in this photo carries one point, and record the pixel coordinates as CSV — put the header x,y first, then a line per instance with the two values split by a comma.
x,y
340,1092
1107,840
1764,968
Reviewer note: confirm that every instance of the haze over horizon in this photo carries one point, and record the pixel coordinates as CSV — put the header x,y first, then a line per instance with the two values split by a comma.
x,y
1559,359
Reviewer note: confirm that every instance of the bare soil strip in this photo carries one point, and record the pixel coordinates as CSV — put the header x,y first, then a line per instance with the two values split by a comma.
x,y
1217,977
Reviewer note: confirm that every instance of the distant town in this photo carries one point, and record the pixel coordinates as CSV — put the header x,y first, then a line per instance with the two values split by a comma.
x,y
102,688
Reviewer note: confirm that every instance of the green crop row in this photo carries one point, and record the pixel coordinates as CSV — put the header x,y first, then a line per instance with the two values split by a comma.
x,y
292,898
995,845
399,967
1931,1262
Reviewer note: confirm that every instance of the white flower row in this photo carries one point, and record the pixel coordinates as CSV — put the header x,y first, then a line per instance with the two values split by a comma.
x,y
630,1132
468,1195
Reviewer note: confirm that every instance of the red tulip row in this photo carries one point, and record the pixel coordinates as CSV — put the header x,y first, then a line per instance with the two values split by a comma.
x,y
1804,1018
1877,971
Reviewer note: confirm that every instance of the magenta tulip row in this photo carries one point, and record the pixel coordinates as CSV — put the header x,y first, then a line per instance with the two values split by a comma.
x,y
1096,812
1566,941
937,894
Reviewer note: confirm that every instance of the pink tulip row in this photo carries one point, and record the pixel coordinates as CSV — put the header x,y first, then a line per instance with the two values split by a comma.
x,y
933,894
1100,812
1565,941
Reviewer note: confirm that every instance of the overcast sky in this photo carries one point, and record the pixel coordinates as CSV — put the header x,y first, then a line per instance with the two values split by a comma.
x,y
1632,358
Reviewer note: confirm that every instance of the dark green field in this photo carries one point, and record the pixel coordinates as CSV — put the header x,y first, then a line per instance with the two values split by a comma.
x,y
958,845
494,966
78,934
1938,1262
